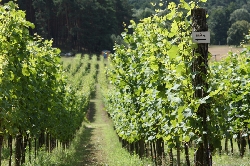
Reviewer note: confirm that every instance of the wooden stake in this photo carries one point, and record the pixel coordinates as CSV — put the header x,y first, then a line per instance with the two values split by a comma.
x,y
199,67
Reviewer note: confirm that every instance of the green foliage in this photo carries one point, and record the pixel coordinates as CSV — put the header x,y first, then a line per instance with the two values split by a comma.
x,y
231,76
80,25
240,14
237,32
218,23
153,92
222,14
139,14
33,95
219,11
153,87
142,4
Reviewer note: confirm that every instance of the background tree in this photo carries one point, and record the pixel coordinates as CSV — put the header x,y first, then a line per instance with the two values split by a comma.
x,y
240,14
86,25
123,11
139,14
237,32
218,23
81,25
246,6
219,18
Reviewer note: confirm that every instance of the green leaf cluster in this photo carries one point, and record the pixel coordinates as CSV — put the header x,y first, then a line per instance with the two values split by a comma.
x,y
153,94
34,95
153,91
230,82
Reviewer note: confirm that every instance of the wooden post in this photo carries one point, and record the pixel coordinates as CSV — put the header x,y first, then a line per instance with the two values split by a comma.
x,y
199,66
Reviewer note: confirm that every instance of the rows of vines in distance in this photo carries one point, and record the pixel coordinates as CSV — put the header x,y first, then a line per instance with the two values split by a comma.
x,y
39,106
80,72
152,96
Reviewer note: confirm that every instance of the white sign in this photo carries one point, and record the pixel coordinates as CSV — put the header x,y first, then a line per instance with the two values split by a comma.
x,y
201,37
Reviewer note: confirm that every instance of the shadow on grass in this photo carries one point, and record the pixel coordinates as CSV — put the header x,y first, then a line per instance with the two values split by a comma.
x,y
84,148
91,112
92,108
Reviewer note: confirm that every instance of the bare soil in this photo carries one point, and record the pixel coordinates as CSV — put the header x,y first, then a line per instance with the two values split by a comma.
x,y
221,51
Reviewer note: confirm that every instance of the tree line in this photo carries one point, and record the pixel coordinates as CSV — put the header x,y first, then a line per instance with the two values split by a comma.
x,y
82,25
92,26
229,21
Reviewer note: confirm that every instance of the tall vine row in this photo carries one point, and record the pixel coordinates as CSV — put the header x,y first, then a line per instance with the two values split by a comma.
x,y
38,107
152,99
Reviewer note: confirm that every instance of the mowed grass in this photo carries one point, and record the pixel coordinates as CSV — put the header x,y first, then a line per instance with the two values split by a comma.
x,y
221,51
231,159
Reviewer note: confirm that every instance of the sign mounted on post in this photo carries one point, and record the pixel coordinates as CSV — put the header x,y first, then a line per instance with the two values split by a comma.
x,y
201,37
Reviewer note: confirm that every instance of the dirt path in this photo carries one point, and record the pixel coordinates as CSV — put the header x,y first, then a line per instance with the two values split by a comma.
x,y
93,143
221,51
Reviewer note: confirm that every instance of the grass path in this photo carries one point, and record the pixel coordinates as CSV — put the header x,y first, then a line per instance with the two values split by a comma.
x,y
93,142
99,144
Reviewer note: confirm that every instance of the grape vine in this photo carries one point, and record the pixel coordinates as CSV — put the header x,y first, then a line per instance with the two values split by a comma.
x,y
153,95
39,107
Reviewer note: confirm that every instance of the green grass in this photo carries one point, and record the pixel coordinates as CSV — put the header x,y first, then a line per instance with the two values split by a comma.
x,y
112,152
220,160
231,159
118,155
226,160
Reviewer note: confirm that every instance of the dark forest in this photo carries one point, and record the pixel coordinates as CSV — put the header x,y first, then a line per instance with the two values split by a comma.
x,y
92,26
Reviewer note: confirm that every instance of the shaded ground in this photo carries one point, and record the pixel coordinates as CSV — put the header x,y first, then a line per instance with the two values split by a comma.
x,y
93,143
221,51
